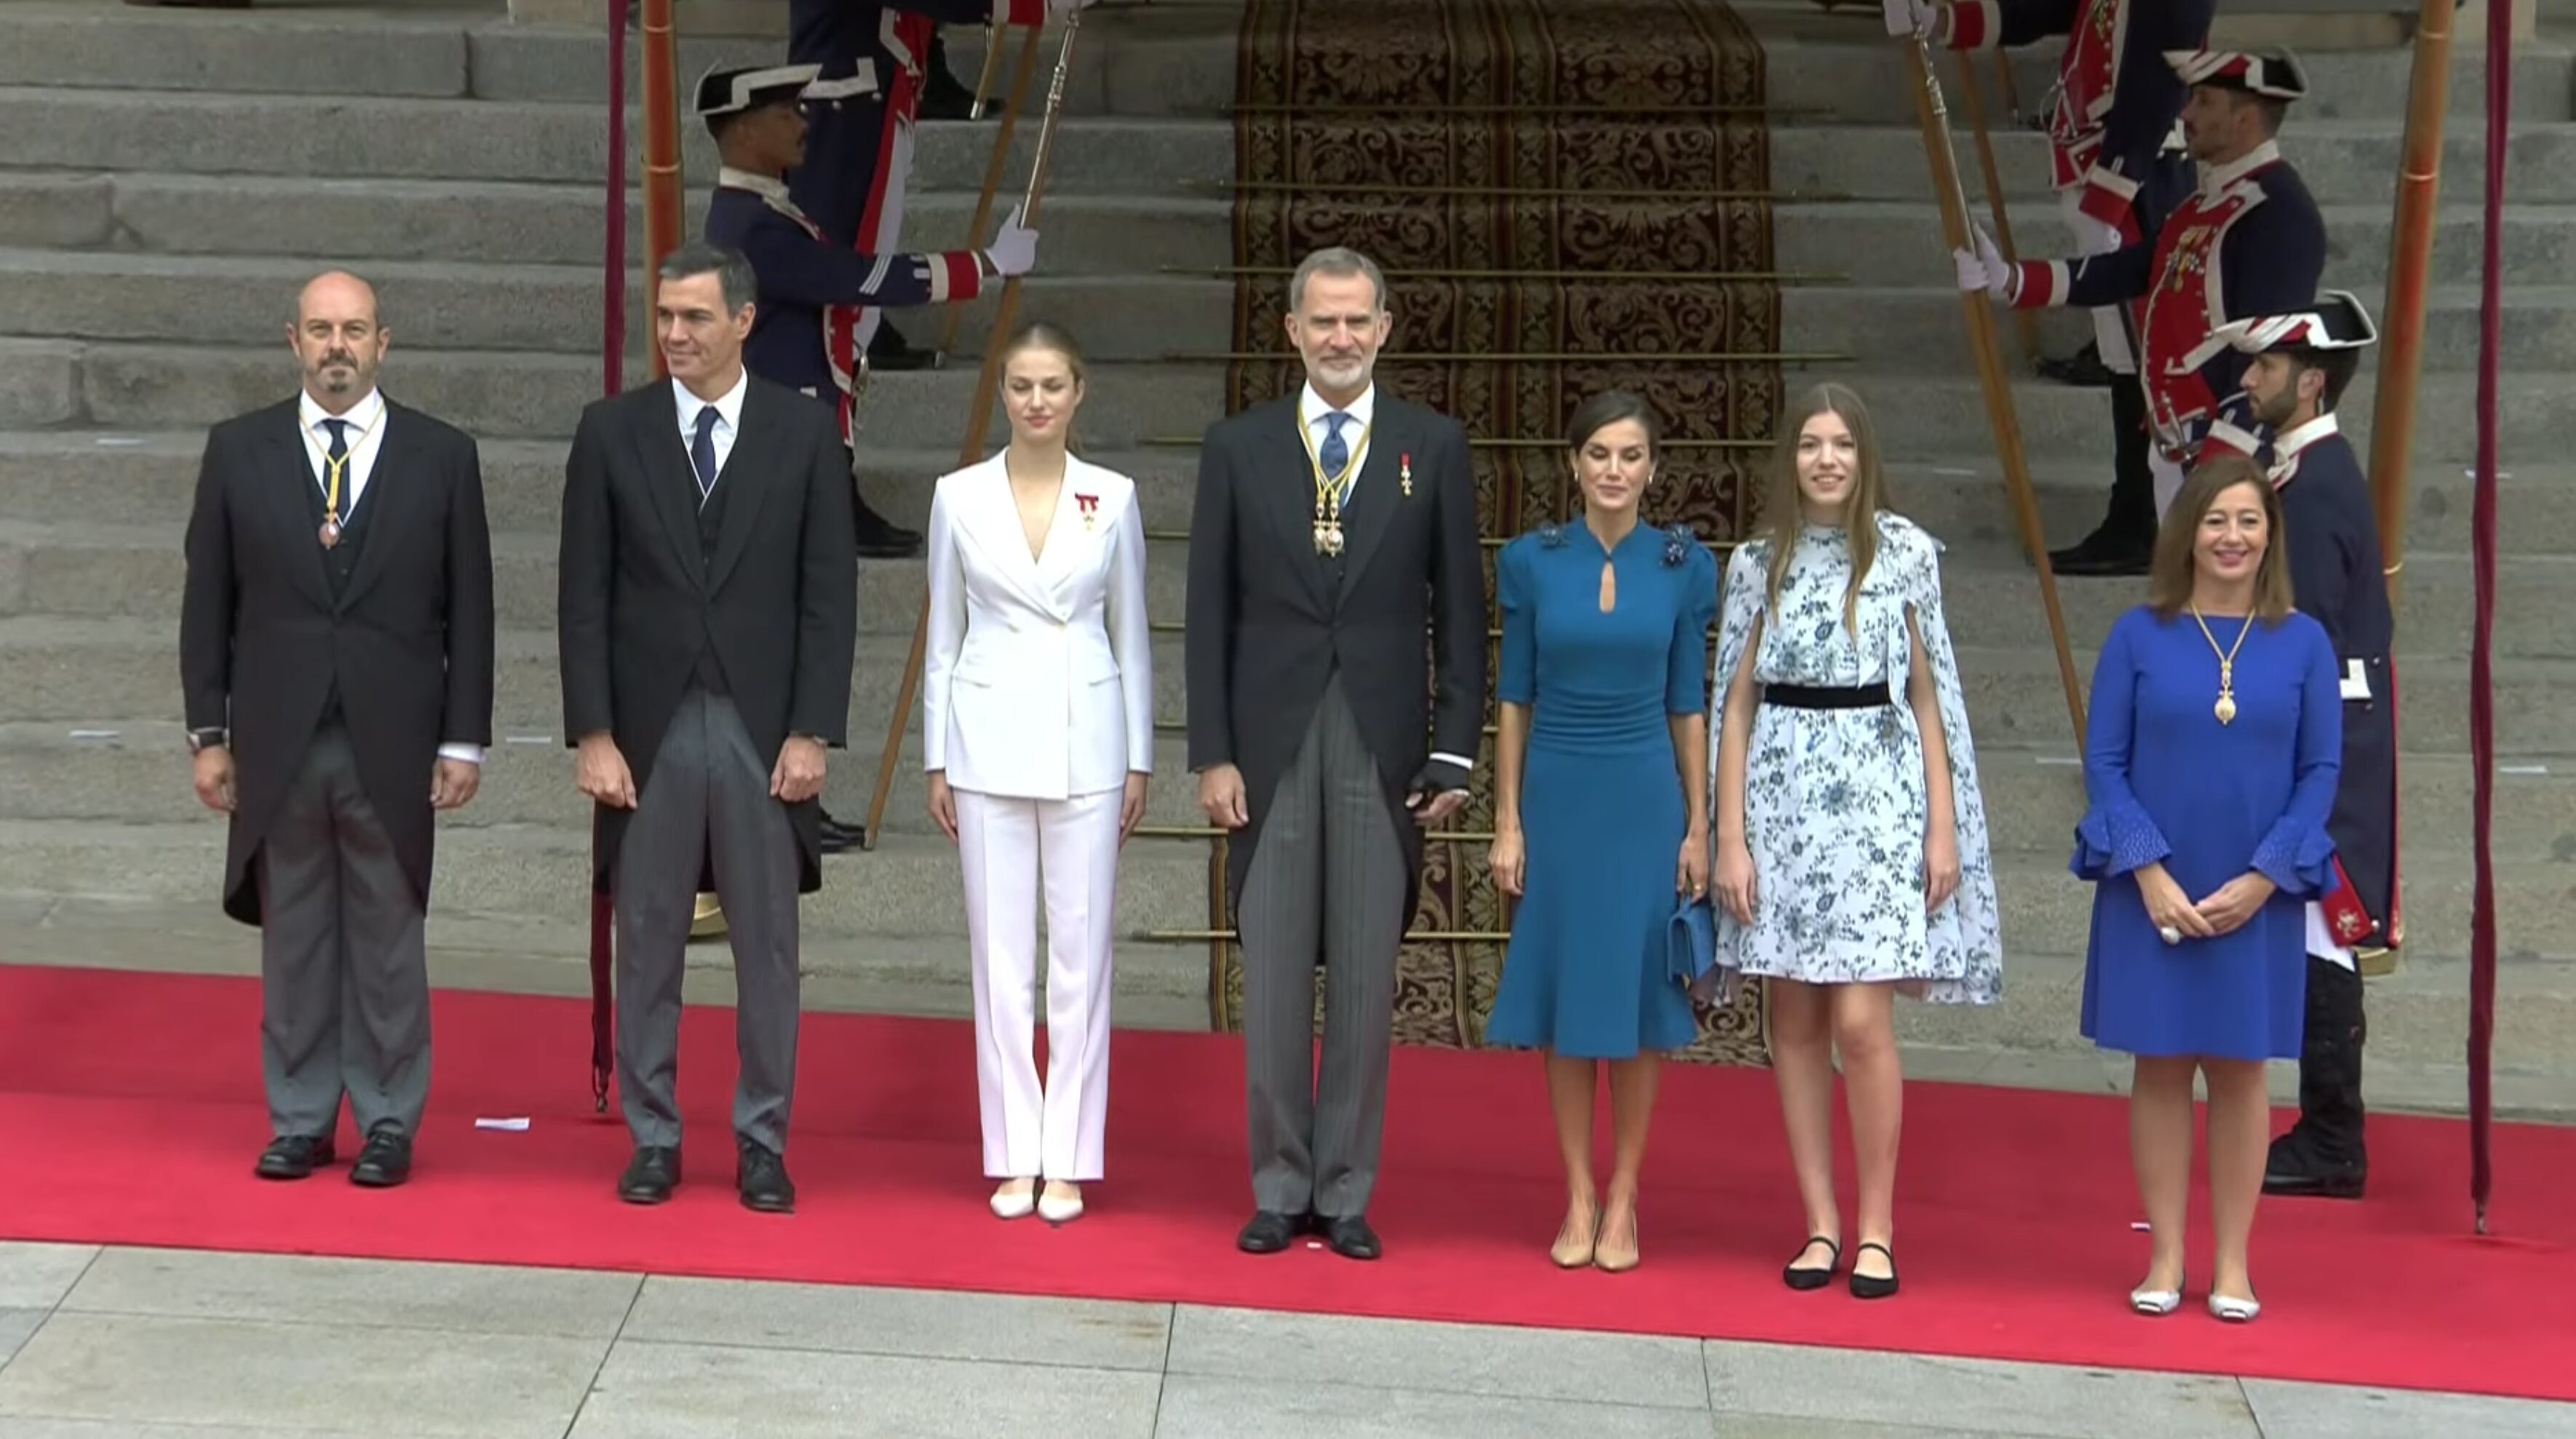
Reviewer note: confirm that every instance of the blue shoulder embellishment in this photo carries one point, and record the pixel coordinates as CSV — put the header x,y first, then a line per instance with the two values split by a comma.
x,y
1552,536
1678,543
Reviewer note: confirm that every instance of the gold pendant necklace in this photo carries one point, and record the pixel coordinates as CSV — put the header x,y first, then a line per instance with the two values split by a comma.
x,y
2225,709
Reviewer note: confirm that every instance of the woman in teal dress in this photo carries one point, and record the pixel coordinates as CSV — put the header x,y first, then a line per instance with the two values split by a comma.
x,y
1601,824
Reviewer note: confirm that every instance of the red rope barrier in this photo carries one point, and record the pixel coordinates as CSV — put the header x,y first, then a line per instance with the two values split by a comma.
x,y
2482,530
612,360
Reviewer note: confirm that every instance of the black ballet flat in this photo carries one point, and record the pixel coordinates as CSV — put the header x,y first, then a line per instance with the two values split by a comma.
x,y
1866,1286
1806,1279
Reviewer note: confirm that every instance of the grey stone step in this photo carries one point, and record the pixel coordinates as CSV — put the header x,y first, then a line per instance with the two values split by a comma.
x,y
1994,601
1860,78
100,477
555,309
1147,60
364,137
140,775
2343,161
2035,796
507,395
1904,328
345,52
461,222
907,887
75,670
521,395
106,571
1888,242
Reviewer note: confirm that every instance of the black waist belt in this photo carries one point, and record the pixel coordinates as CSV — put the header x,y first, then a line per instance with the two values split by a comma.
x,y
1827,697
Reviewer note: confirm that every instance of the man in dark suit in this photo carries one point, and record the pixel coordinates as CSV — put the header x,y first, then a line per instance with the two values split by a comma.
x,y
709,605
1334,534
335,647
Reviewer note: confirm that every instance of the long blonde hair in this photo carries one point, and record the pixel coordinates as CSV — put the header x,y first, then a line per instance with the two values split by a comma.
x,y
1784,515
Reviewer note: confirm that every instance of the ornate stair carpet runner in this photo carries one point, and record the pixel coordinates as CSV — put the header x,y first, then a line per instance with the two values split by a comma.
x,y
1568,197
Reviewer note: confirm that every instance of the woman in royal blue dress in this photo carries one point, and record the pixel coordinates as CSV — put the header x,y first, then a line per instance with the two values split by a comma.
x,y
2214,743
1600,822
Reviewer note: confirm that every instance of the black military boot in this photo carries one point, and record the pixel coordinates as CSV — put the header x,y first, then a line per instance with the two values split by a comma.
x,y
2322,1156
943,97
2126,538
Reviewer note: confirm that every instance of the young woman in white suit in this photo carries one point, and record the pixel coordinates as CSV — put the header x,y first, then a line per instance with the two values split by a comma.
x,y
1038,725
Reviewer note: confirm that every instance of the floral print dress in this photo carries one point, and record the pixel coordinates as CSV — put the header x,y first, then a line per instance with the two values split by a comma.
x,y
1834,799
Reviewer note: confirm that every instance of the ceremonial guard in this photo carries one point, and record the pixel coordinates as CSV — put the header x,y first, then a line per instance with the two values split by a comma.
x,y
2247,241
874,70
2301,363
810,286
2118,164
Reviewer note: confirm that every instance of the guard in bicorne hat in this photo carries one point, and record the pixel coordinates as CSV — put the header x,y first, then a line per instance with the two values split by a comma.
x,y
2296,366
2247,241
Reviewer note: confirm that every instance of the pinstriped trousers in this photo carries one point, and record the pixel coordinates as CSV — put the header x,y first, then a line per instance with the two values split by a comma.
x,y
1327,876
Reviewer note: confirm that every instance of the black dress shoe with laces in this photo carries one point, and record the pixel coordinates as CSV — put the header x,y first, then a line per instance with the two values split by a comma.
x,y
1270,1231
840,836
761,1175
294,1156
1351,1237
650,1176
385,1162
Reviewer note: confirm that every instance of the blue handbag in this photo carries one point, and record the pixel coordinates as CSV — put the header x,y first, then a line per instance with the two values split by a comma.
x,y
1690,943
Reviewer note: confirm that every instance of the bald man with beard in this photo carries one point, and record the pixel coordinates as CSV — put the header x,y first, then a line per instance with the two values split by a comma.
x,y
335,652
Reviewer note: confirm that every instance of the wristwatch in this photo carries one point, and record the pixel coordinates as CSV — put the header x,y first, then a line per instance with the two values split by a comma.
x,y
203,739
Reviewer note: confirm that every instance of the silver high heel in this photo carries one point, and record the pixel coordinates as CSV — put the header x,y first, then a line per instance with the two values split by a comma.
x,y
2156,1302
2233,1310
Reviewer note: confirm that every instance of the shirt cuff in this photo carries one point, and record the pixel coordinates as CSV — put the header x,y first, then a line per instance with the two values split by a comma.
x,y
464,753
1465,764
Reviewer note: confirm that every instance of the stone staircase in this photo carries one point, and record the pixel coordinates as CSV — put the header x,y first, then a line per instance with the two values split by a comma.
x,y
169,184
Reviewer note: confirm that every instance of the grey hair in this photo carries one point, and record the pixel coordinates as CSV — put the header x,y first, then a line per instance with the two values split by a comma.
x,y
1341,262
731,269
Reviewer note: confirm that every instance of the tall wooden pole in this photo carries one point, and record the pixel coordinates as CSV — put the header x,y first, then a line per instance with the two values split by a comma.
x,y
1988,349
1973,96
984,73
662,209
1000,159
2410,255
979,418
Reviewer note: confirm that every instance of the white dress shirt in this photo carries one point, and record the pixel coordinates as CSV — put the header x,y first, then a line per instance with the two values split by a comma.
x,y
1313,409
365,436
728,408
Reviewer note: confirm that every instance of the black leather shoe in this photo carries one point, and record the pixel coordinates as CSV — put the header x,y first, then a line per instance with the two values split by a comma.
x,y
762,1177
650,1176
1269,1232
882,539
293,1156
889,350
385,1162
943,95
2084,368
1351,1237
2295,1171
1871,1286
839,836
2103,554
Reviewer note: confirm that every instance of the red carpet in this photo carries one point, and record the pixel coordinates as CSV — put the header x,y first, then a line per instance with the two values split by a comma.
x,y
130,1107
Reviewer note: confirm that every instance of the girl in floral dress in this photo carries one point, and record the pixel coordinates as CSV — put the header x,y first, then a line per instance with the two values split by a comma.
x,y
1852,862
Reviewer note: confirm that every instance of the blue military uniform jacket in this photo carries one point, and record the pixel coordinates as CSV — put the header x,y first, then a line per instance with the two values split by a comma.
x,y
2331,539
804,277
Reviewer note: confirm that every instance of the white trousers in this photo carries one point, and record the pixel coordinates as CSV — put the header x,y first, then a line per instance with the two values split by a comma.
x,y
1005,845
2092,237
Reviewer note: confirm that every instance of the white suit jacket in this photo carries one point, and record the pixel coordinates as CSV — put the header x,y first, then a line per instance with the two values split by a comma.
x,y
1037,676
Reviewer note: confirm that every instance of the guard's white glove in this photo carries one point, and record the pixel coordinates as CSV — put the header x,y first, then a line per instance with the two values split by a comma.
x,y
1909,18
1015,249
1985,270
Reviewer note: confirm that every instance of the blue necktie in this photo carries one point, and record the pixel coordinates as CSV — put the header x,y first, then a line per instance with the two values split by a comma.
x,y
1337,453
702,452
336,497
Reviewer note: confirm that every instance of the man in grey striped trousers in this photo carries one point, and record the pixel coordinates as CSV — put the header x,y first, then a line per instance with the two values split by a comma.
x,y
1333,541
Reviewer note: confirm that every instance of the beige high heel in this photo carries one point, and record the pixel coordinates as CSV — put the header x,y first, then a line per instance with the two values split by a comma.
x,y
1573,1248
1618,1261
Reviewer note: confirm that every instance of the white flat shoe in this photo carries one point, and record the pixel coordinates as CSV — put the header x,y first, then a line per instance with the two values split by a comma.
x,y
1010,1204
2156,1302
2234,1311
1059,1211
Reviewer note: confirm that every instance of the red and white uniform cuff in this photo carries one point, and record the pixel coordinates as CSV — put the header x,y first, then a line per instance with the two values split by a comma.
x,y
2230,438
1973,24
955,275
2040,284
1020,12
2112,200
